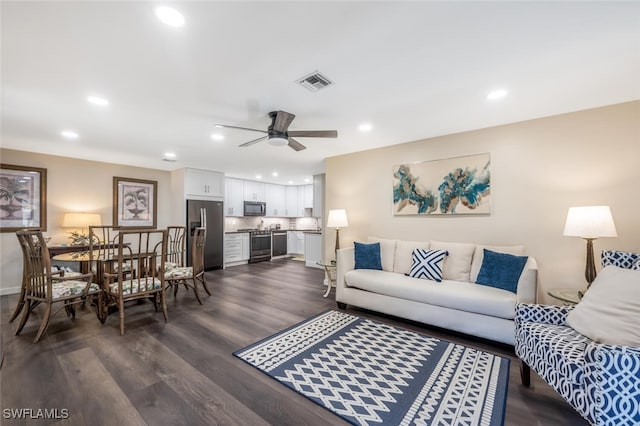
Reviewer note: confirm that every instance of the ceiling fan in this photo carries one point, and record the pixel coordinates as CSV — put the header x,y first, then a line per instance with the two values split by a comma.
x,y
278,135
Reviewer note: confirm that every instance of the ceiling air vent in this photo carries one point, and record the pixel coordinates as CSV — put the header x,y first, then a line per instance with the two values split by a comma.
x,y
314,81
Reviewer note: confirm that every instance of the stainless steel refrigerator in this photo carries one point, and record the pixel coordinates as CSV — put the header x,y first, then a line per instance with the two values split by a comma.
x,y
209,214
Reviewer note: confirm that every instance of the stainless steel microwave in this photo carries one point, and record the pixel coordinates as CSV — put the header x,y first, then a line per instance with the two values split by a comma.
x,y
255,208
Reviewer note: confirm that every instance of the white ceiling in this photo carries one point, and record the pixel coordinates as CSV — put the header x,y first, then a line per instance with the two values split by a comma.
x,y
411,69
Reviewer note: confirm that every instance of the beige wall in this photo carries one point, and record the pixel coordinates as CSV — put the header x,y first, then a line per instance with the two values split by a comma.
x,y
73,185
539,168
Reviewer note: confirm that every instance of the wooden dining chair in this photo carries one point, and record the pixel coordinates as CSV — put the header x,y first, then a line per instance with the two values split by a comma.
x,y
190,276
42,286
145,252
175,246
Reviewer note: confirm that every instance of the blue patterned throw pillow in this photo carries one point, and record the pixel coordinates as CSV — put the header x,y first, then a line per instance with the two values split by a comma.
x,y
636,265
367,256
621,259
501,270
427,264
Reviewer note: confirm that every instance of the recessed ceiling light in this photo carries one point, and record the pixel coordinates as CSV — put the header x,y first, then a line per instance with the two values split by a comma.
x,y
96,100
258,177
496,94
69,134
365,127
170,16
290,182
274,174
217,137
307,180
170,155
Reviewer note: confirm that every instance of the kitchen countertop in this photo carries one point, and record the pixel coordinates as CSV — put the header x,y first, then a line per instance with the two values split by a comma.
x,y
306,231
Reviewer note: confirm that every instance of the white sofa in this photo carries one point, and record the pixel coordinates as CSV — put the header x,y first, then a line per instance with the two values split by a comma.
x,y
456,303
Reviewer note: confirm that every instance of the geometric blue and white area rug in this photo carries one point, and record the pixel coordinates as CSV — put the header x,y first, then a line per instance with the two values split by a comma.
x,y
371,373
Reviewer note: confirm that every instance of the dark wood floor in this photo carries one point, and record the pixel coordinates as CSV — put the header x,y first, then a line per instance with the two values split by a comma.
x,y
184,373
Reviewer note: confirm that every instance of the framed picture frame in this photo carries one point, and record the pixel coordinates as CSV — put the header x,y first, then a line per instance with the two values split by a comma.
x,y
134,203
23,198
450,186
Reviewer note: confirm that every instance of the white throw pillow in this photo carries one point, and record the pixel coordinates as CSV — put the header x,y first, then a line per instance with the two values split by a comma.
x,y
404,259
387,252
457,265
478,255
609,312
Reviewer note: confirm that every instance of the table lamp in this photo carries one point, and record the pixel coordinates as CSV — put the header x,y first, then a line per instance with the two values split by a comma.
x,y
80,221
337,219
590,222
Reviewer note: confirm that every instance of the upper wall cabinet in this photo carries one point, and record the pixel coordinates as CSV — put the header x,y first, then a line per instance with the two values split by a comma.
x,y
253,191
234,197
203,184
276,198
308,196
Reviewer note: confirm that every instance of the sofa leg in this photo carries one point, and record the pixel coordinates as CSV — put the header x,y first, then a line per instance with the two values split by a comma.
x,y
341,305
525,373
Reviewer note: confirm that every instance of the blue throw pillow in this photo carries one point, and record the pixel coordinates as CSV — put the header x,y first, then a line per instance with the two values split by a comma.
x,y
367,256
621,259
501,270
427,264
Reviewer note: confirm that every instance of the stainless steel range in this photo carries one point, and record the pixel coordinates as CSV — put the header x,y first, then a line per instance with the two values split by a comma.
x,y
260,246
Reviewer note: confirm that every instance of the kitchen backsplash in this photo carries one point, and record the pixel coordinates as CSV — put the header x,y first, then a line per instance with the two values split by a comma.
x,y
235,223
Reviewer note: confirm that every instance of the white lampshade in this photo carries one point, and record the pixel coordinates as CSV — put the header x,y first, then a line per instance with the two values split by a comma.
x,y
81,220
278,141
590,222
337,219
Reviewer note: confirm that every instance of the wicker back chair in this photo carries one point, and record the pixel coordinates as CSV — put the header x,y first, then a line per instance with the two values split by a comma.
x,y
144,253
42,286
175,246
189,276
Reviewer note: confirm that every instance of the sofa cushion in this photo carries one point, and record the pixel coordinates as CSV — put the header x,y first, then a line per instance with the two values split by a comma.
x,y
367,256
404,254
558,350
427,264
609,312
478,255
457,265
387,252
621,259
457,295
501,270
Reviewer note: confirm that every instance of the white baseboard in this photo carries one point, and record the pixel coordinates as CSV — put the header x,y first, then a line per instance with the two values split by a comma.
x,y
9,290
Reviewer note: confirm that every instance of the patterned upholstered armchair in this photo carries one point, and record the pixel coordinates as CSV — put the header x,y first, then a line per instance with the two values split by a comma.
x,y
601,381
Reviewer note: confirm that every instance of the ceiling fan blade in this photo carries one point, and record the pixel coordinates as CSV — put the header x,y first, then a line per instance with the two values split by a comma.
x,y
282,121
296,145
314,133
253,141
241,128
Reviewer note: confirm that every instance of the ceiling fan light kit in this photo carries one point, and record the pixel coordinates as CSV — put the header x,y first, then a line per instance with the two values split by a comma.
x,y
278,134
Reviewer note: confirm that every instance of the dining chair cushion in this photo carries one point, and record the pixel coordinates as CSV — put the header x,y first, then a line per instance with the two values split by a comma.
x,y
178,273
72,287
125,268
138,285
170,265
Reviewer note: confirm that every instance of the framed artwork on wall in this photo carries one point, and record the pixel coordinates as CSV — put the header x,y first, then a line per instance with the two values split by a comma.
x,y
451,186
23,198
134,203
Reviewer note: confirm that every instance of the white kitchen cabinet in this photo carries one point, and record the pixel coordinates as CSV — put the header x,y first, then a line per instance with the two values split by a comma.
x,y
308,196
253,191
295,242
276,199
203,184
292,201
234,197
236,248
300,209
318,195
312,249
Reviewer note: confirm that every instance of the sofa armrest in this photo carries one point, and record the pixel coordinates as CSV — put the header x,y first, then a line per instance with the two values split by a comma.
x,y
611,383
543,314
345,263
528,282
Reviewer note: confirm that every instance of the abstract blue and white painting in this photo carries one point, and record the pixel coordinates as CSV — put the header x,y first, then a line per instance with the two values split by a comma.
x,y
460,185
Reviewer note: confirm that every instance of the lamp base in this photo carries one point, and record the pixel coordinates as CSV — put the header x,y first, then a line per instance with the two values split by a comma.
x,y
590,268
337,242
